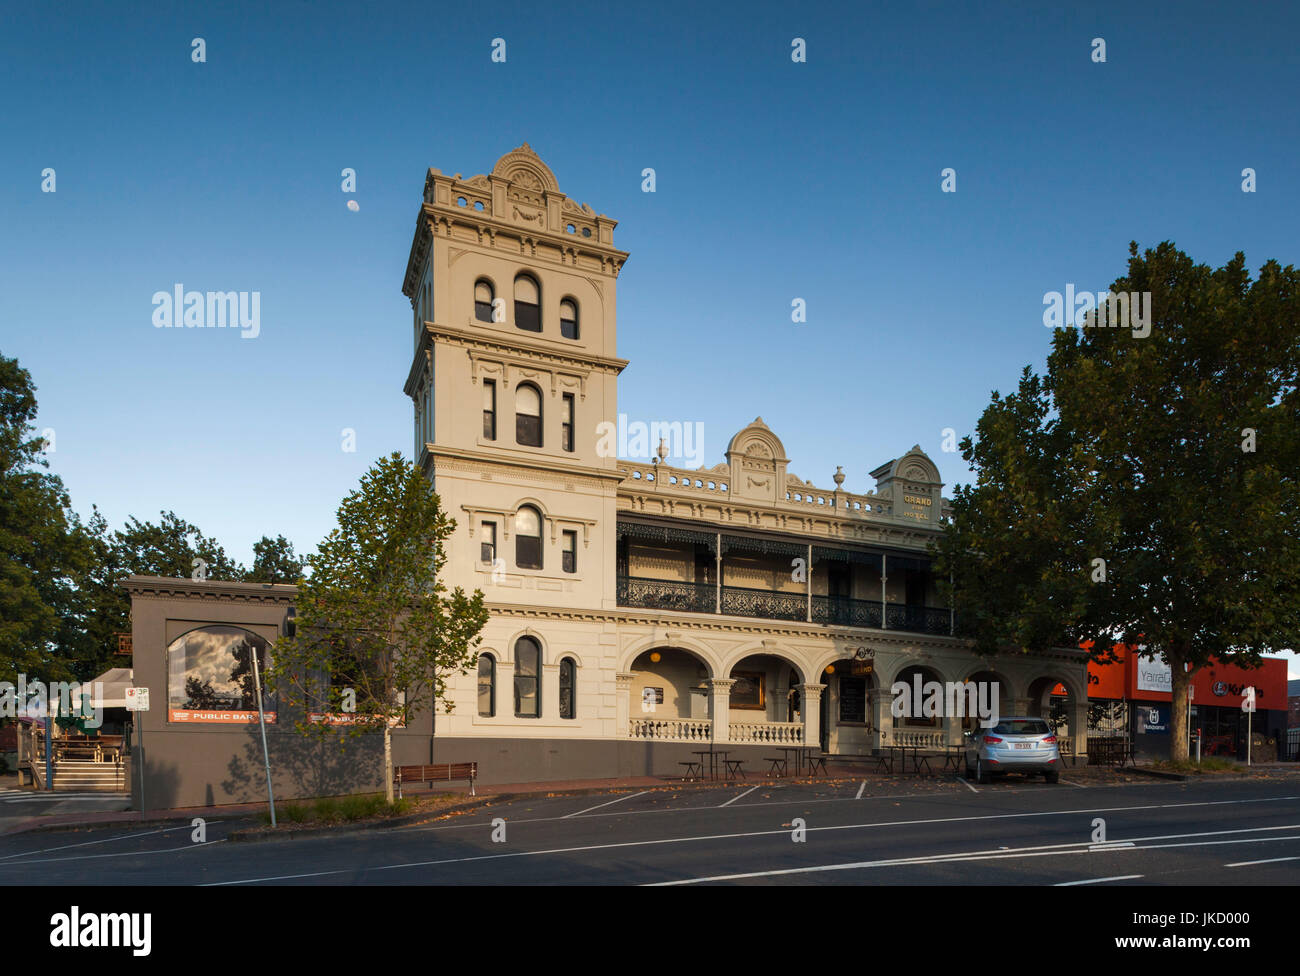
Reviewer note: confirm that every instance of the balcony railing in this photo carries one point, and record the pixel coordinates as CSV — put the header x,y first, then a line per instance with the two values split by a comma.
x,y
921,620
741,601
653,594
842,611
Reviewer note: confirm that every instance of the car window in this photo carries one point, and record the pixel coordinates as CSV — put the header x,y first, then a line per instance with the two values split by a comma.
x,y
1021,726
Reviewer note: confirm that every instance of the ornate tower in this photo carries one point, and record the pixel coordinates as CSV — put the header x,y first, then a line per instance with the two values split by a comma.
x,y
513,289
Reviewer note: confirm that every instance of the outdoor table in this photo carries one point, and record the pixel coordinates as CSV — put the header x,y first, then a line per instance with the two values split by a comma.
x,y
800,754
917,758
954,756
715,756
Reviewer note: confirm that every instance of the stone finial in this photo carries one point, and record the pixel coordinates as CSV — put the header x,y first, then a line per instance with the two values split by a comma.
x,y
839,475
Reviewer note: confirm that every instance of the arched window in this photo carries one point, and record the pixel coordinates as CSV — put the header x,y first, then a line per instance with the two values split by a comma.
x,y
487,685
568,684
528,415
569,318
528,303
210,676
528,678
483,295
528,538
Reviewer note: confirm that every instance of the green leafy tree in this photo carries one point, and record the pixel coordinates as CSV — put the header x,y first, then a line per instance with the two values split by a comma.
x,y
171,547
274,561
42,556
376,627
1145,490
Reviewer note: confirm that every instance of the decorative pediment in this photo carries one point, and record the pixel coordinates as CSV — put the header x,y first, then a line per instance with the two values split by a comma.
x,y
524,169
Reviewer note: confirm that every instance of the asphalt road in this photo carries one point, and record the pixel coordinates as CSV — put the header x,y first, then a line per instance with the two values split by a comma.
x,y
1240,832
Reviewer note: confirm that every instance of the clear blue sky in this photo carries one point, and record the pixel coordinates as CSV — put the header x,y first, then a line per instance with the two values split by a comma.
x,y
776,180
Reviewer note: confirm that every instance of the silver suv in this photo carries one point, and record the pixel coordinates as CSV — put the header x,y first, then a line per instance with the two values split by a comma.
x,y
1013,745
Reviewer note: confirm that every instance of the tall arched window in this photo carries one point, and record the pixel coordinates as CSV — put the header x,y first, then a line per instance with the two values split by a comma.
x,y
528,538
528,680
528,415
568,685
210,676
569,318
528,303
483,296
487,685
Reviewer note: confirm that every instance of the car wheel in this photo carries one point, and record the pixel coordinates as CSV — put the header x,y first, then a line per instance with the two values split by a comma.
x,y
981,775
1052,777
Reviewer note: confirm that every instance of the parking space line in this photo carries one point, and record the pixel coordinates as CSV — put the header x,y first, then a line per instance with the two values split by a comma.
x,y
860,789
95,857
1118,877
630,796
735,798
1050,850
964,782
1271,860
104,840
1069,783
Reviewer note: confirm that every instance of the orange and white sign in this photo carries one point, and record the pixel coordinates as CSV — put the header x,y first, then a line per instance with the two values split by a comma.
x,y
220,717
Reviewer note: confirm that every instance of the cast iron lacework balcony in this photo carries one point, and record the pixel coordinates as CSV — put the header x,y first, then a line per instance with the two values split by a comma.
x,y
653,594
740,601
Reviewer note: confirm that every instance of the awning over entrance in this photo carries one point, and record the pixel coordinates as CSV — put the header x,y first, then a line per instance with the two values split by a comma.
x,y
108,690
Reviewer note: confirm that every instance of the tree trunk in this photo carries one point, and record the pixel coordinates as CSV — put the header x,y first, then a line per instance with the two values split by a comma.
x,y
1181,680
388,760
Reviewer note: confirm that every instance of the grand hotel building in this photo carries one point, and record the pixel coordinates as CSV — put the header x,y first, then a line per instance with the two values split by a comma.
x,y
637,607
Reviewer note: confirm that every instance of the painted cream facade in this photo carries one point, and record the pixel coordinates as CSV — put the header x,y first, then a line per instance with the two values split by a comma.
x,y
761,609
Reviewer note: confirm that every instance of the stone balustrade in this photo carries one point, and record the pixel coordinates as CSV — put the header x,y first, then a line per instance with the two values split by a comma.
x,y
777,733
674,729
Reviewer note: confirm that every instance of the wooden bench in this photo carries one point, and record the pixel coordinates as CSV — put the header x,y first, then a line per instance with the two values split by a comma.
x,y
436,773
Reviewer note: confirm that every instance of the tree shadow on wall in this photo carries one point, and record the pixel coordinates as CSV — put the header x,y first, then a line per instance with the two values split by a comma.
x,y
304,765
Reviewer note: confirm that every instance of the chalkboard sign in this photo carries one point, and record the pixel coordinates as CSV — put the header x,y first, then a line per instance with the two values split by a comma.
x,y
853,699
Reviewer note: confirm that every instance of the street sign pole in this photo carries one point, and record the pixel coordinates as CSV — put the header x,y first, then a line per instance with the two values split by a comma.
x,y
139,721
1248,706
137,703
261,721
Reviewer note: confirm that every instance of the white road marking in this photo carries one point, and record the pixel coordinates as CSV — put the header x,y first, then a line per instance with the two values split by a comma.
x,y
1271,860
620,799
104,840
96,857
1118,877
964,782
735,798
889,823
860,789
998,855
1069,783
1049,850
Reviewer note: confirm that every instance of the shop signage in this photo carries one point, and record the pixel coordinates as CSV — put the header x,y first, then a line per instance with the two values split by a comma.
x,y
1154,675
